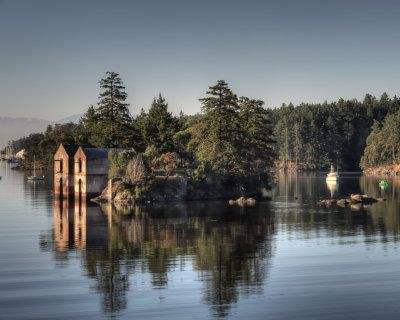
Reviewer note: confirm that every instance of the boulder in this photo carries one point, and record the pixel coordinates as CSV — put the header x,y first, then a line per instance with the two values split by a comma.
x,y
356,197
242,201
342,202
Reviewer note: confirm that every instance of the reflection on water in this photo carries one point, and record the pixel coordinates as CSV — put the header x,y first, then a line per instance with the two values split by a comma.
x,y
333,187
229,248
286,259
300,213
385,214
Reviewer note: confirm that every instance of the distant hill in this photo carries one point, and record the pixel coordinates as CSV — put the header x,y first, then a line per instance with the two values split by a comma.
x,y
15,128
75,119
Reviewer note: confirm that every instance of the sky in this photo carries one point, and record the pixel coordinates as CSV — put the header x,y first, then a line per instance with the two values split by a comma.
x,y
53,53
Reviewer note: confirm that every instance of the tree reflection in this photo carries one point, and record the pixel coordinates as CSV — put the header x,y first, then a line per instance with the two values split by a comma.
x,y
234,257
385,214
305,218
111,272
229,247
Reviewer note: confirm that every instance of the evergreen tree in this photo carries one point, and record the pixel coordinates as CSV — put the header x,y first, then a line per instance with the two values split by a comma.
x,y
256,144
383,144
139,129
320,134
90,133
113,117
160,126
218,136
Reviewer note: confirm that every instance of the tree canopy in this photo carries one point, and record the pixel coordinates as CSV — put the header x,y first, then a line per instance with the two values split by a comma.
x,y
110,124
234,139
312,136
383,144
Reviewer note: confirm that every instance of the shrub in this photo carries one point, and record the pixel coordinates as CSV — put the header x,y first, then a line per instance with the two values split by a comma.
x,y
136,172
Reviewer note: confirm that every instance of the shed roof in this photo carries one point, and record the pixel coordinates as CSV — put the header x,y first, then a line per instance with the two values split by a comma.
x,y
96,153
70,149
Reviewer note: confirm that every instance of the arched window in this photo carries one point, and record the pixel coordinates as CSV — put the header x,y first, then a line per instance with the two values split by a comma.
x,y
80,165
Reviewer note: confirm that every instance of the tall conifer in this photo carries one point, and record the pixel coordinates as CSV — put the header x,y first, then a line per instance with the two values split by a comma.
x,y
113,114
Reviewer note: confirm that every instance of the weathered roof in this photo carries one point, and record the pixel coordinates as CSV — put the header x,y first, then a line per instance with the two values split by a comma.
x,y
96,153
70,149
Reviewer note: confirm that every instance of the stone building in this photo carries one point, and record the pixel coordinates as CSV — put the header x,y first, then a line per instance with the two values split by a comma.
x,y
91,171
64,170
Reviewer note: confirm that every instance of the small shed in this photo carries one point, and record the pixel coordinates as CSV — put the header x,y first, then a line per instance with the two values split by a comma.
x,y
91,167
64,170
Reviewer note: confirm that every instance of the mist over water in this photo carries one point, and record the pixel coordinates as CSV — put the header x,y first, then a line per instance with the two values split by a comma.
x,y
288,258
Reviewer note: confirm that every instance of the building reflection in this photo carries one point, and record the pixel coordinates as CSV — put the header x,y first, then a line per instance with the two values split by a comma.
x,y
63,221
229,248
69,225
78,225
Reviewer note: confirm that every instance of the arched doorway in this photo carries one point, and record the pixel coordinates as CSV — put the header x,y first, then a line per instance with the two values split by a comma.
x,y
61,188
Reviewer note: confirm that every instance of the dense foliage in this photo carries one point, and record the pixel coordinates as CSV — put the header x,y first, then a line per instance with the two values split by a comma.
x,y
44,145
109,125
119,162
312,136
383,144
232,141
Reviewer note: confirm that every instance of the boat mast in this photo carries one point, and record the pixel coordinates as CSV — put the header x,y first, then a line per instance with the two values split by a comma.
x,y
34,166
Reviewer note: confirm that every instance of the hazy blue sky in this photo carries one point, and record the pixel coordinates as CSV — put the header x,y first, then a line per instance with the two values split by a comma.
x,y
53,53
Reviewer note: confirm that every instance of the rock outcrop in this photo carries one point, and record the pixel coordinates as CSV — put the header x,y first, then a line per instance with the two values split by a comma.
x,y
393,170
354,199
242,201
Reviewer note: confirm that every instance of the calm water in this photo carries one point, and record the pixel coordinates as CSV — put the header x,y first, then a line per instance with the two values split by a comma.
x,y
286,259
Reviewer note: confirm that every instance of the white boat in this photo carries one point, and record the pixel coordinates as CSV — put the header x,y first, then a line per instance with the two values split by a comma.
x,y
332,175
35,177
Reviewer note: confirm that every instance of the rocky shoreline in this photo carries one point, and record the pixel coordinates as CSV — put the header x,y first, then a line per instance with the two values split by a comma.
x,y
171,190
28,166
393,170
353,199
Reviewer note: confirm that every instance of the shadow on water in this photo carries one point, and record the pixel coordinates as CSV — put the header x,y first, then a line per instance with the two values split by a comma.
x,y
228,248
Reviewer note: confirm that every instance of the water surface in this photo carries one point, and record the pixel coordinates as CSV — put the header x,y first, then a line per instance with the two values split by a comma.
x,y
284,259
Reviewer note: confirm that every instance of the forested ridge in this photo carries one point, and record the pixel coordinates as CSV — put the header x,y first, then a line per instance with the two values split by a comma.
x,y
234,136
312,136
